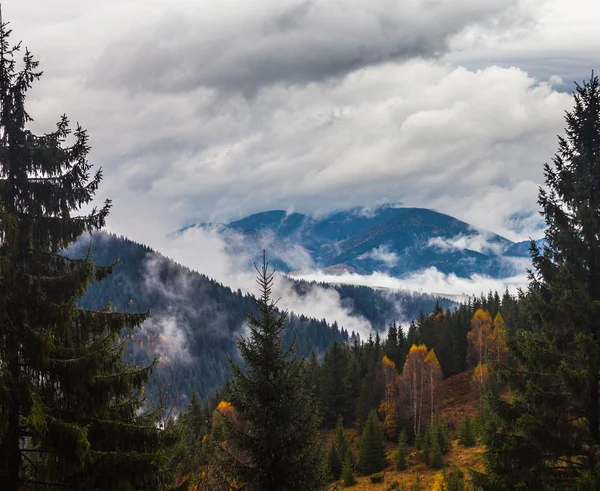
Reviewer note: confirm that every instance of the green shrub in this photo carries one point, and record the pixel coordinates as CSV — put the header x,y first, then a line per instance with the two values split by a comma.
x,y
456,480
376,478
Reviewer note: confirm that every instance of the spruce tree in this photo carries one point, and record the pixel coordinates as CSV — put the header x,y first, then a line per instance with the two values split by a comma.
x,y
548,436
274,443
466,435
372,447
71,409
342,443
402,452
348,473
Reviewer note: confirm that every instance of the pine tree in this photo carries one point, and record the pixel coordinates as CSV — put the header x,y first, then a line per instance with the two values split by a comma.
x,y
275,444
466,436
335,462
342,443
71,409
435,454
372,447
402,452
347,473
548,436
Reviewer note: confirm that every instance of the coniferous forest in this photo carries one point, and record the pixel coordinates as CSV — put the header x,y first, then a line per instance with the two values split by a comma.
x,y
500,392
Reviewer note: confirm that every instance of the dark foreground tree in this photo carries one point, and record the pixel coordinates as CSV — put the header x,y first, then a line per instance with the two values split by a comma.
x,y
548,437
71,410
274,442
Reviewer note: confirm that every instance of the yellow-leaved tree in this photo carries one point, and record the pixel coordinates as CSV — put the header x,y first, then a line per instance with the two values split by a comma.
x,y
434,381
389,408
498,341
479,337
414,381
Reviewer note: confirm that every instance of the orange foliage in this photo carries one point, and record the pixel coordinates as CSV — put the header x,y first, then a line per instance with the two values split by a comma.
x,y
480,336
226,409
389,409
387,362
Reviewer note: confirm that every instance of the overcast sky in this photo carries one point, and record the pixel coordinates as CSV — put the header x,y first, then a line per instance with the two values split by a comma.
x,y
209,110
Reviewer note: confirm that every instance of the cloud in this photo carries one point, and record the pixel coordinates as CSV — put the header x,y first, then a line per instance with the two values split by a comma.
x,y
466,134
479,242
429,280
236,271
381,254
244,47
171,338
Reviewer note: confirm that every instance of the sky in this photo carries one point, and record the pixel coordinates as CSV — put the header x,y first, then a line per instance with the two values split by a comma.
x,y
209,111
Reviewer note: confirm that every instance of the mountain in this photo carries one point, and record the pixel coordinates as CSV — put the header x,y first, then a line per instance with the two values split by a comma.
x,y
195,320
396,241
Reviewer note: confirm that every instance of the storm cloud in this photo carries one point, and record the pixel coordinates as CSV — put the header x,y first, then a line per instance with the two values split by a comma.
x,y
244,46
209,111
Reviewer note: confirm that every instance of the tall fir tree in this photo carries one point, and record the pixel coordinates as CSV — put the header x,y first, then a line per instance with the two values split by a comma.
x,y
71,409
275,443
372,447
548,436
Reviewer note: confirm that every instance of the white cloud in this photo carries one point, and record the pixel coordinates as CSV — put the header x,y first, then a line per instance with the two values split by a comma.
x,y
428,281
382,254
479,242
465,137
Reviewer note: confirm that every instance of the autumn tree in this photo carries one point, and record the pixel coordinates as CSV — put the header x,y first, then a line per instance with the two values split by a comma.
x,y
548,436
276,437
498,341
389,408
72,410
414,379
434,381
480,337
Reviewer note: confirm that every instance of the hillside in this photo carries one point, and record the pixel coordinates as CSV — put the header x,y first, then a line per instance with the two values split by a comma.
x,y
396,241
459,399
195,319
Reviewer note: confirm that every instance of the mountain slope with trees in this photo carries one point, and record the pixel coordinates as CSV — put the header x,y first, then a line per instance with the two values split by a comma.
x,y
194,319
395,240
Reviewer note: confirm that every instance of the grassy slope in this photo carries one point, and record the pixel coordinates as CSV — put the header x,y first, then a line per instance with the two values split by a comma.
x,y
459,399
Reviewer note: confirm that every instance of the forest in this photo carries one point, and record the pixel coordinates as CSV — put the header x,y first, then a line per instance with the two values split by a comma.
x,y
497,393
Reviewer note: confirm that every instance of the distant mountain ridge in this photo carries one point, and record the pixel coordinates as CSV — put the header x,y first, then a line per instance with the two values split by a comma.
x,y
397,241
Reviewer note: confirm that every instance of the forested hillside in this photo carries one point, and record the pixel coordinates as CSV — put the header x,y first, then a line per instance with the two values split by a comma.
x,y
195,320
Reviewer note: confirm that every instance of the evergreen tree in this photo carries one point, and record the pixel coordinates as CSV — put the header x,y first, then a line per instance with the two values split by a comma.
x,y
435,455
548,436
348,473
274,442
372,447
342,443
466,435
335,462
441,431
71,409
402,452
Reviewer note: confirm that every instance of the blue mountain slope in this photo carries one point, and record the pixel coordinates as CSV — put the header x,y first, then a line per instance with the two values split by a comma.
x,y
397,241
